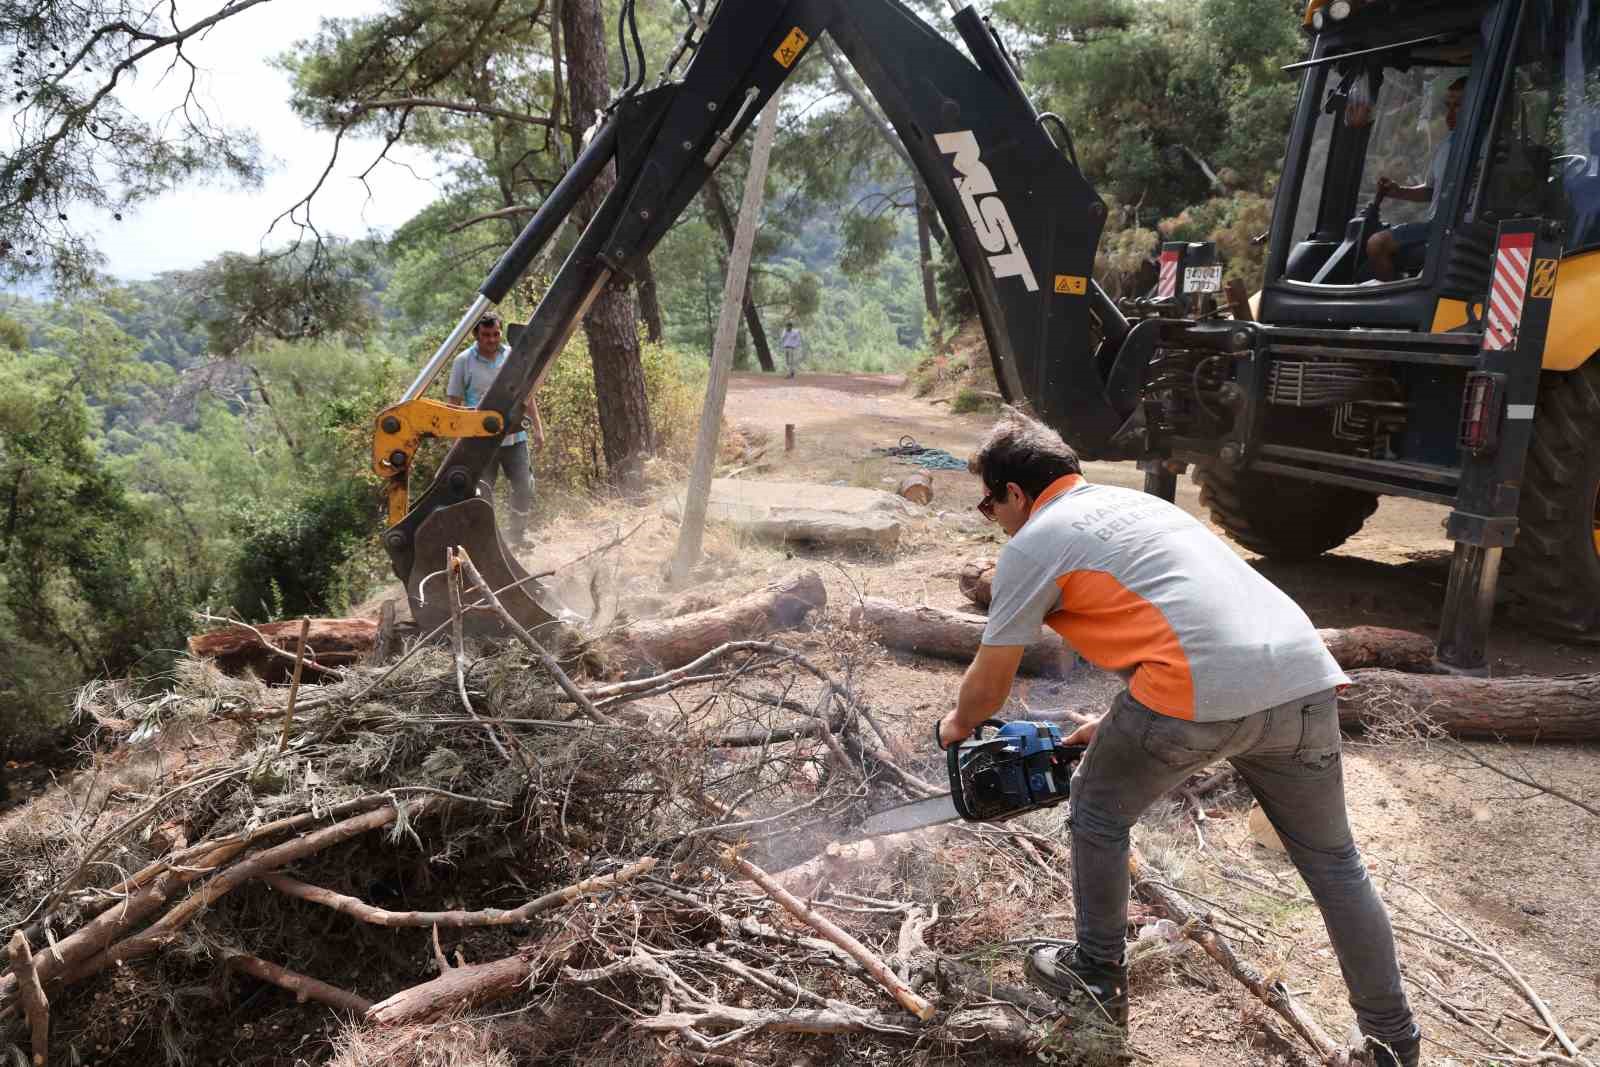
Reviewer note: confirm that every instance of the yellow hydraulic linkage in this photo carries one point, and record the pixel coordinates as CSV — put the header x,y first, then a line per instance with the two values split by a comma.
x,y
401,428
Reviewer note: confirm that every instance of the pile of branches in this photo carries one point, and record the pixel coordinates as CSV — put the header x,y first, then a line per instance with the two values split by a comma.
x,y
477,859
409,844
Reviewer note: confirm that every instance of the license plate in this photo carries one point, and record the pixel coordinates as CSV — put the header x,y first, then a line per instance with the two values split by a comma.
x,y
1202,279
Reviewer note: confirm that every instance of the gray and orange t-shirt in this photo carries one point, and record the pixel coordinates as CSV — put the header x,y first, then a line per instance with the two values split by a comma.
x,y
1139,587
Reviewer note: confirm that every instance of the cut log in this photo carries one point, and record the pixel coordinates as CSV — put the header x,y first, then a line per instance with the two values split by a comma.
x,y
1360,647
1519,709
976,577
953,635
329,642
662,644
916,487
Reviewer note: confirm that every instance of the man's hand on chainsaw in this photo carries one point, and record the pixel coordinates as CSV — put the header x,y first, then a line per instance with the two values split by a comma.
x,y
951,731
1085,733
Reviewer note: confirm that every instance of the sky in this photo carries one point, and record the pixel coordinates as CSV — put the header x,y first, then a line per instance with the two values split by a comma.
x,y
241,88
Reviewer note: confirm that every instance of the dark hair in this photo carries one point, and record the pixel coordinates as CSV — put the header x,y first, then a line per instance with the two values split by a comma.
x,y
1025,451
490,319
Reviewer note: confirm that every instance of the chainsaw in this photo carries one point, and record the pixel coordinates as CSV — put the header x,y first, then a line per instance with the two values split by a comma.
x,y
1021,767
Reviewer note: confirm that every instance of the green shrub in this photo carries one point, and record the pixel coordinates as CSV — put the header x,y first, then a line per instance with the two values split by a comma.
x,y
967,400
300,558
573,458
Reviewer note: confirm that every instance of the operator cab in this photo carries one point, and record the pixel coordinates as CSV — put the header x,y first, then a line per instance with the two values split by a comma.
x,y
1421,126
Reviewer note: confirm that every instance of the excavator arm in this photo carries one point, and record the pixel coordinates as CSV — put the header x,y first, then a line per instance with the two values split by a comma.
x,y
1022,217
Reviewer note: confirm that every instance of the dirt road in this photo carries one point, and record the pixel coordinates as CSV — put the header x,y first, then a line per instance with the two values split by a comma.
x,y
1392,573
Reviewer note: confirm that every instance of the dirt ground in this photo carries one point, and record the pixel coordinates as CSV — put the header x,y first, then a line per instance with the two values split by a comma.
x,y
1447,840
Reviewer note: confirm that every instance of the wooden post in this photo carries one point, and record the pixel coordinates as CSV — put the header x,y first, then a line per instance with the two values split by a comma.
x,y
294,683
692,532
788,437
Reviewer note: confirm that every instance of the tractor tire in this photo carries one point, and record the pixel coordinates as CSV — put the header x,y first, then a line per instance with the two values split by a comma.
x,y
1281,518
1554,568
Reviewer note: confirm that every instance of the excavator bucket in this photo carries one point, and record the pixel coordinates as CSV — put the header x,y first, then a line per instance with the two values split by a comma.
x,y
470,526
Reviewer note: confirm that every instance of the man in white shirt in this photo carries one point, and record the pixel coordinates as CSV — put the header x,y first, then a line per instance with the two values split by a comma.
x,y
471,375
791,347
1404,248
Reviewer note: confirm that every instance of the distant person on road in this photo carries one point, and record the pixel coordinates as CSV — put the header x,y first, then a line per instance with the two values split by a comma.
x,y
791,347
471,375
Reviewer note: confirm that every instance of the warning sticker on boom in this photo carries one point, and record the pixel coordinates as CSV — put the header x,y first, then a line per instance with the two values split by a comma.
x,y
1072,284
790,49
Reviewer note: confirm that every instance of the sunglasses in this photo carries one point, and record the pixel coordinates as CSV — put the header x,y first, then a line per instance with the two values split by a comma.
x,y
986,506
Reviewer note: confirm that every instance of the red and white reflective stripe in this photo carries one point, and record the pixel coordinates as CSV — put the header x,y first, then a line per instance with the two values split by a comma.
x,y
1508,290
1167,287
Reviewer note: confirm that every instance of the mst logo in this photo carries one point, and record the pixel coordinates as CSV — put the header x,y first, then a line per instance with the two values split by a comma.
x,y
989,216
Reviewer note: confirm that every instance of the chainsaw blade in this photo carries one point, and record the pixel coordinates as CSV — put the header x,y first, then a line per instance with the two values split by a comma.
x,y
912,815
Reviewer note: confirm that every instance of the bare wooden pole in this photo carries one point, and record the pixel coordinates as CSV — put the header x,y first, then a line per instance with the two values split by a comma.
x,y
294,682
692,532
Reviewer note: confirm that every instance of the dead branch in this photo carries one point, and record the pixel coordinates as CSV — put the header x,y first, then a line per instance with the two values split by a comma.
x,y
367,913
164,929
456,990
89,940
294,682
303,987
199,852
1274,994
458,649
545,658
1474,756
34,1003
1509,973
880,971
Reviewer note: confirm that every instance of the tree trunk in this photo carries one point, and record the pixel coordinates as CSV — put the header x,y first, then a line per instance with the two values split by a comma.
x,y
628,436
650,303
752,318
1515,709
329,643
955,635
667,643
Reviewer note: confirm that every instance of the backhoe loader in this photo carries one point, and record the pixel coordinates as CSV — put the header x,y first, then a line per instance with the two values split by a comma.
x,y
1434,344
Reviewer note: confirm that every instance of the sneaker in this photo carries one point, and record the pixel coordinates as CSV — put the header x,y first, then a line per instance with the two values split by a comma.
x,y
1089,992
1406,1052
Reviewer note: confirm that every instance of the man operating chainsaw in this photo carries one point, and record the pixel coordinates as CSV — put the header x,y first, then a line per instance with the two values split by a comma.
x,y
1219,664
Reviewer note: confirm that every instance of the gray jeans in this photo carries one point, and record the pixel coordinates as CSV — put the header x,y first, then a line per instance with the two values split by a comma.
x,y
791,359
513,459
1289,756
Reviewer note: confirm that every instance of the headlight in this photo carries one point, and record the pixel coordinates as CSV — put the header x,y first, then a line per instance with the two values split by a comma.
x,y
1339,9
1317,19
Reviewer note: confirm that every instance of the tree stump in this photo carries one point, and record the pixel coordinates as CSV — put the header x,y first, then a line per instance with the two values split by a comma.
x,y
916,487
977,575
